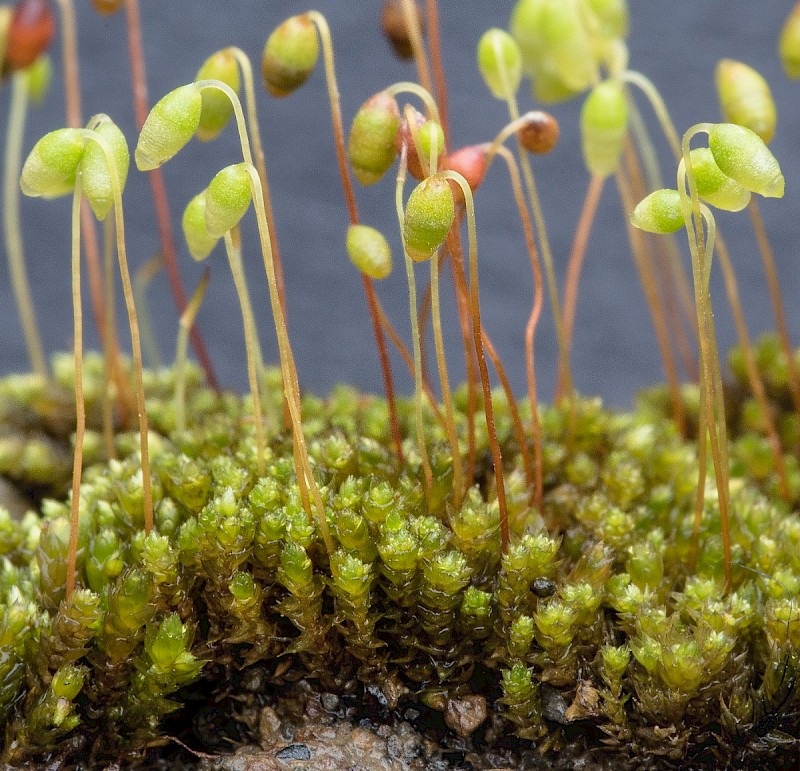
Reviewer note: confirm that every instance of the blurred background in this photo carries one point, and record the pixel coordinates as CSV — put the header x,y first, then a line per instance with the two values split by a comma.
x,y
615,354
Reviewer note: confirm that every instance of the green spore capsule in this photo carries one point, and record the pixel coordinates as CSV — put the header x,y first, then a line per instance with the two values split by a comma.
x,y
50,168
228,197
567,43
604,124
555,45
169,127
195,232
216,106
789,43
745,98
96,177
290,55
659,212
429,215
431,140
742,155
500,63
524,25
369,251
609,18
39,75
371,146
713,186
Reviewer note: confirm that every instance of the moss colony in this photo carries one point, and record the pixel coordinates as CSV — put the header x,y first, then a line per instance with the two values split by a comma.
x,y
591,619
535,585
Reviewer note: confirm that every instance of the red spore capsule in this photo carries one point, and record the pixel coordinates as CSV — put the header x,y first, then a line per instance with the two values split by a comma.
x,y
32,28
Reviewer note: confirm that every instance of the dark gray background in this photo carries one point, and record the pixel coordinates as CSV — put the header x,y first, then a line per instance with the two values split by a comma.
x,y
615,354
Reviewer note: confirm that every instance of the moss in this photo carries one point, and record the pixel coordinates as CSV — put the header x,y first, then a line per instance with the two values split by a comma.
x,y
237,573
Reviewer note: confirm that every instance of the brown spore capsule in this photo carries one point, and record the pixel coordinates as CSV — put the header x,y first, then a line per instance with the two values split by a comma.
x,y
393,24
539,135
107,7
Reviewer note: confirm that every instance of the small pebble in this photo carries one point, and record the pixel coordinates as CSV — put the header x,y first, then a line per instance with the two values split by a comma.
x,y
543,587
465,716
254,679
314,708
294,752
361,738
269,726
378,693
554,705
330,702
394,747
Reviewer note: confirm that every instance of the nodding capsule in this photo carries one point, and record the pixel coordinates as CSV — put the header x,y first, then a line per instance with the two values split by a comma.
x,y
745,98
430,212
604,124
471,163
369,251
500,63
393,24
29,34
411,122
217,107
371,147
789,43
540,133
107,7
290,55
743,156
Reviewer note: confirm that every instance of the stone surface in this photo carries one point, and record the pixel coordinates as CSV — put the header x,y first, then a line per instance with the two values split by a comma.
x,y
465,716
